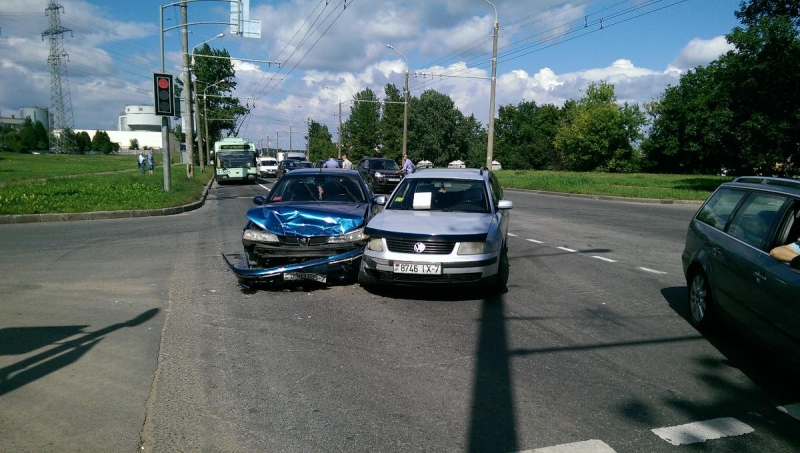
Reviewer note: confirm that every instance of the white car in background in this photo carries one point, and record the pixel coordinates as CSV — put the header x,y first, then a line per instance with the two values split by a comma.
x,y
267,166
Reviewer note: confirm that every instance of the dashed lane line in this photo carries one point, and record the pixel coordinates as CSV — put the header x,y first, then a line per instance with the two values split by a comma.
x,y
791,409
652,271
567,250
692,433
534,241
603,258
587,446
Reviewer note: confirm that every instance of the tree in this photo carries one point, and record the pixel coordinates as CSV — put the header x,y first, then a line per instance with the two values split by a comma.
x,y
391,124
134,145
437,129
598,135
83,141
102,142
320,144
361,132
525,136
216,79
741,113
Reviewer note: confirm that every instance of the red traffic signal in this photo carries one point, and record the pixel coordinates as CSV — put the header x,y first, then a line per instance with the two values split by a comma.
x,y
164,94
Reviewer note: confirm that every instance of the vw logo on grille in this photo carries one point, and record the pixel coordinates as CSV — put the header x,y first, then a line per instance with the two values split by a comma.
x,y
419,247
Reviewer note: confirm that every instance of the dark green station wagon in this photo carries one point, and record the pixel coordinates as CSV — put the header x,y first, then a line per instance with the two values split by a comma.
x,y
729,271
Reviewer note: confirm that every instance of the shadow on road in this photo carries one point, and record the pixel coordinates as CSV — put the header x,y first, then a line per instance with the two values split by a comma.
x,y
21,340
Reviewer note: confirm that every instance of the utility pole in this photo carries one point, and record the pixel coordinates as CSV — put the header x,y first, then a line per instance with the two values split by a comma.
x,y
187,96
308,140
490,144
290,137
200,154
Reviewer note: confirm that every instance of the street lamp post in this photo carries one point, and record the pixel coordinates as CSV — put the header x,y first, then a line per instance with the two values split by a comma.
x,y
405,104
201,155
205,116
490,144
340,119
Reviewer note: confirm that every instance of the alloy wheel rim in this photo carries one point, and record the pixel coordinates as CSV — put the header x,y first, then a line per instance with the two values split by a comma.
x,y
698,298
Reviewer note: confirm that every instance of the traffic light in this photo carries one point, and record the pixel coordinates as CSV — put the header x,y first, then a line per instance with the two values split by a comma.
x,y
164,94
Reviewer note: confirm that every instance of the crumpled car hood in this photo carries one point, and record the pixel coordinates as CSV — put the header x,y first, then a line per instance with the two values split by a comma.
x,y
309,219
431,223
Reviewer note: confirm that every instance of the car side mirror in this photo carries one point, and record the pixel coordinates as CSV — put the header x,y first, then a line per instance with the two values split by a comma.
x,y
379,200
505,204
259,200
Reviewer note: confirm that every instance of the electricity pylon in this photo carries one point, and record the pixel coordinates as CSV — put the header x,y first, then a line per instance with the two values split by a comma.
x,y
60,102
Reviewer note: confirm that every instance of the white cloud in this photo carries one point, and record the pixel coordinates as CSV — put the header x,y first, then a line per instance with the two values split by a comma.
x,y
699,52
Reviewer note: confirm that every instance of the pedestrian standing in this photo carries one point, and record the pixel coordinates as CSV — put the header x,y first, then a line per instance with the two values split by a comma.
x,y
151,162
141,162
330,163
346,164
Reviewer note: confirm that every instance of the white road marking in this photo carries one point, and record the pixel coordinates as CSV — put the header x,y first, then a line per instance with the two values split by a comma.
x,y
791,409
587,446
512,235
652,271
691,433
534,241
608,260
566,249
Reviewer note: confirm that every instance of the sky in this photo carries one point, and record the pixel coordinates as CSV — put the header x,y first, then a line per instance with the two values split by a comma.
x,y
326,51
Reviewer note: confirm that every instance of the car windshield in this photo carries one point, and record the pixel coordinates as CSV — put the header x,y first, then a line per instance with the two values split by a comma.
x,y
318,187
383,165
440,195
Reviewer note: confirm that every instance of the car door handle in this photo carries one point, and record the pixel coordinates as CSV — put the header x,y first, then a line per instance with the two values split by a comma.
x,y
760,277
716,250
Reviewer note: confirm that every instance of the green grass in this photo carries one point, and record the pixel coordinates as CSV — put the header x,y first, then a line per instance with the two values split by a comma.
x,y
16,167
638,185
88,186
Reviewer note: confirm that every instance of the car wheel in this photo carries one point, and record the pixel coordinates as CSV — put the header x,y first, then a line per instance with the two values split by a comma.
x,y
363,280
700,303
502,270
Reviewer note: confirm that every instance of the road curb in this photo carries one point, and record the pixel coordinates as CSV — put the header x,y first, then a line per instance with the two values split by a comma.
x,y
103,215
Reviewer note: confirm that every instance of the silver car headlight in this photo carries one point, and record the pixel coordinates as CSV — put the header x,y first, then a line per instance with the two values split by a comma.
x,y
375,244
474,248
259,236
353,236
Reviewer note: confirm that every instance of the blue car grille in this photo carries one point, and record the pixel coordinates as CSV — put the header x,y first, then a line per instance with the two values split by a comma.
x,y
431,248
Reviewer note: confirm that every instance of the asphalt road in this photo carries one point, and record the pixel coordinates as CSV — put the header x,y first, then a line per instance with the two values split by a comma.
x,y
132,335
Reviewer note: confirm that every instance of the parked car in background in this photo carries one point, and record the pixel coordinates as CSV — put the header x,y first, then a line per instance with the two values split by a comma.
x,y
440,227
287,165
381,173
729,271
309,227
267,166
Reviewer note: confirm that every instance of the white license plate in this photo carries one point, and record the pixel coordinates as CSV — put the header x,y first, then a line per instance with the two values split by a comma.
x,y
295,276
394,179
417,268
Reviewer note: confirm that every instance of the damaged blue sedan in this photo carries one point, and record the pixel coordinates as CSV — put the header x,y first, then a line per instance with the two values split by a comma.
x,y
309,228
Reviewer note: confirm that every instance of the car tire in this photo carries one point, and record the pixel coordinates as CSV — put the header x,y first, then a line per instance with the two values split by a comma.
x,y
362,278
502,270
701,306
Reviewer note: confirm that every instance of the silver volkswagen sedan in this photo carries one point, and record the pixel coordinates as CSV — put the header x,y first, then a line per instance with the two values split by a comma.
x,y
439,227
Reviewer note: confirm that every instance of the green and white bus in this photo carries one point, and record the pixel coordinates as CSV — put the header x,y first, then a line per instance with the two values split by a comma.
x,y
235,160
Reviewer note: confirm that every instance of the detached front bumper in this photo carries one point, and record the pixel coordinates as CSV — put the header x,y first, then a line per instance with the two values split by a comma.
x,y
333,268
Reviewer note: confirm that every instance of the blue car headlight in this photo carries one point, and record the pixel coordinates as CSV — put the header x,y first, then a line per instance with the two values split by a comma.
x,y
352,236
253,235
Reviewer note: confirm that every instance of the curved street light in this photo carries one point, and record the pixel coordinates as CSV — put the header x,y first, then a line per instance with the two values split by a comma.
x,y
340,119
490,144
405,106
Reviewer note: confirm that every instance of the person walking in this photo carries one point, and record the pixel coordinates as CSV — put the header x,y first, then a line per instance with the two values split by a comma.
x,y
151,162
408,166
141,162
346,164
